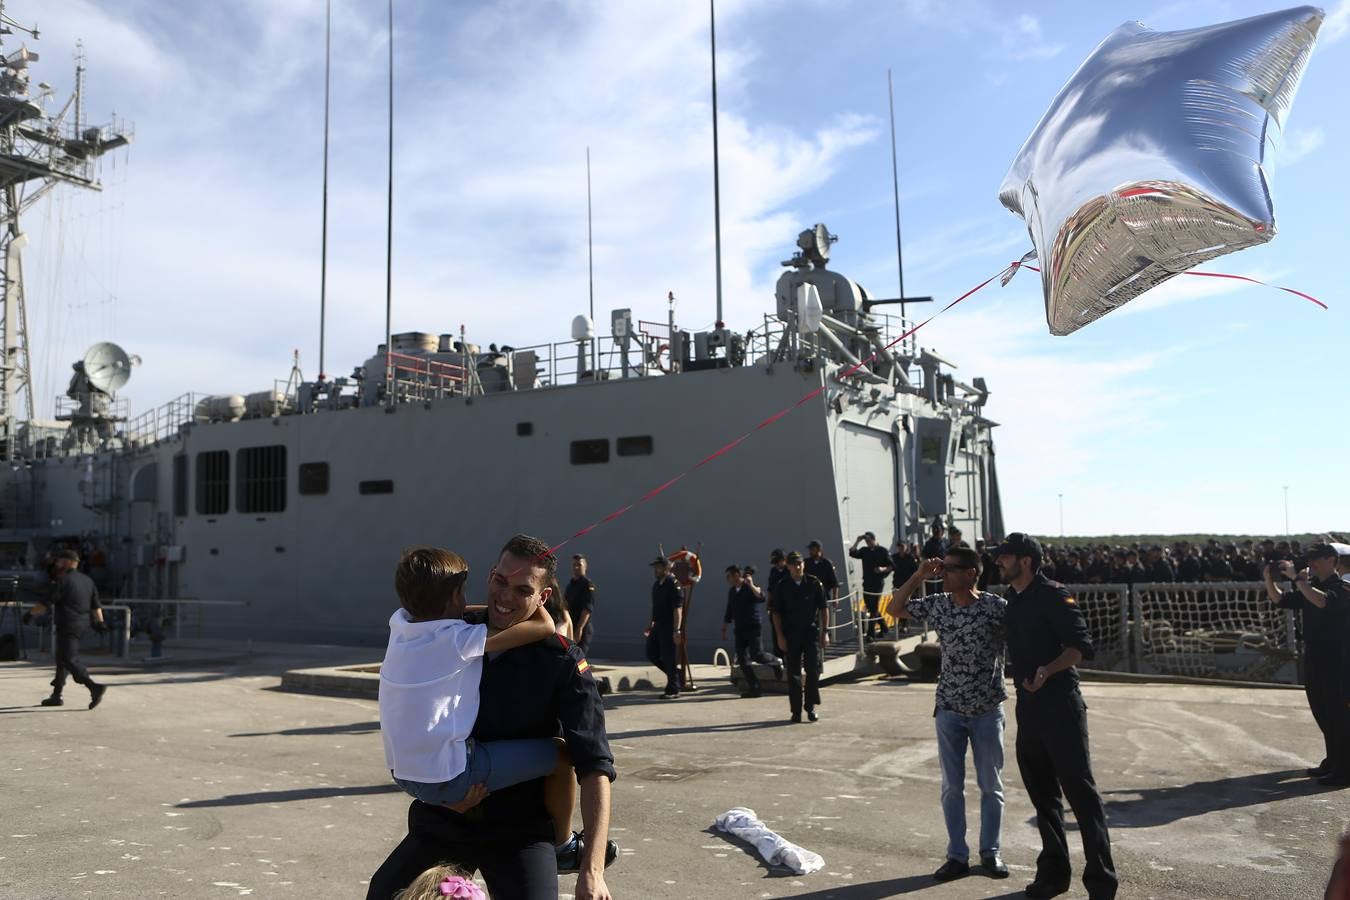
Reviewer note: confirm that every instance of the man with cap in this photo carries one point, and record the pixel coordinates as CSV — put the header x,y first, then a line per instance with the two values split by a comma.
x,y
1324,599
1047,638
800,617
580,597
666,625
744,598
75,606
876,565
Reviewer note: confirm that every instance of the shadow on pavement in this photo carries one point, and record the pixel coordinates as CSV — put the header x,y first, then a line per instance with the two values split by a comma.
x,y
878,890
289,796
1162,806
698,729
349,728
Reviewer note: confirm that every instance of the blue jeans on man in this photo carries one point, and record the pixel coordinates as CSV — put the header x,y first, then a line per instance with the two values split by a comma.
x,y
984,734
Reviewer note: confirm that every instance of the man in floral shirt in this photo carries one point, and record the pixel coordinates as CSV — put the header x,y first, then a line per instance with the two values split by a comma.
x,y
970,695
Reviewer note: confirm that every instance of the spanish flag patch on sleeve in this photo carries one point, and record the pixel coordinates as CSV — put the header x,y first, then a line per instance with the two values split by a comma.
x,y
583,667
1070,600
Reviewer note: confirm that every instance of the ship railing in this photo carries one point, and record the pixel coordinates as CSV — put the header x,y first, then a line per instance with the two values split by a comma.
x,y
418,379
162,422
125,608
766,344
114,408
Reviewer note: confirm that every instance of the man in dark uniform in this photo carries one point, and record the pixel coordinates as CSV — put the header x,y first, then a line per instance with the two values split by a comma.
x,y
744,598
75,606
580,596
667,623
1324,599
876,565
800,618
1047,638
821,569
539,690
936,545
777,572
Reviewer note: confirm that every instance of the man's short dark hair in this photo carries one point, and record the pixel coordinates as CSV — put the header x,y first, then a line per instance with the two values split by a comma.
x,y
965,557
536,550
579,556
736,569
67,554
749,570
777,554
426,578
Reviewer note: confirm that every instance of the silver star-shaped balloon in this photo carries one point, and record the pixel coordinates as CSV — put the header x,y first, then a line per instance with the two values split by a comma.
x,y
1151,159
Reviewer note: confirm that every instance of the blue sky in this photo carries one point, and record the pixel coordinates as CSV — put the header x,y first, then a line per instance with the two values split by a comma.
x,y
1189,410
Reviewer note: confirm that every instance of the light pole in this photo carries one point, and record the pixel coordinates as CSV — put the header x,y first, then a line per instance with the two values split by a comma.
x,y
1286,510
1061,515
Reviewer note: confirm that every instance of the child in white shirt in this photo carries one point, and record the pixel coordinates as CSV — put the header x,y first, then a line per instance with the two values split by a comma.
x,y
429,690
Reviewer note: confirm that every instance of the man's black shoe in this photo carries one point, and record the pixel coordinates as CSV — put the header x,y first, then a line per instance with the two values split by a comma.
x,y
751,693
1334,779
951,870
993,867
54,700
670,695
570,854
1043,890
811,716
96,692
778,672
796,719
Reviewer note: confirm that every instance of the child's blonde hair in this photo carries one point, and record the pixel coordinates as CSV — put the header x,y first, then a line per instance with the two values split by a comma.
x,y
427,886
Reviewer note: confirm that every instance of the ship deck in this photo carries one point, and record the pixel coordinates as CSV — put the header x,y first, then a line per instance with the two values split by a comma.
x,y
202,779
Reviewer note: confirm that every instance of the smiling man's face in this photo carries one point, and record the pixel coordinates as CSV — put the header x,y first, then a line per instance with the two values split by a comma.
x,y
515,590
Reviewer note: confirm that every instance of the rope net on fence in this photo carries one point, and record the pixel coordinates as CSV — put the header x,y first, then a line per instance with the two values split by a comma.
x,y
1221,630
1104,608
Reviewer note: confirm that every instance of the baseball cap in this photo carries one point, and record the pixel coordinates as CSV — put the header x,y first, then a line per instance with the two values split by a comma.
x,y
1320,551
814,544
794,557
1341,549
1019,544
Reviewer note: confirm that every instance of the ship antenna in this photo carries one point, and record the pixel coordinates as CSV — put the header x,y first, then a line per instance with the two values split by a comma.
x,y
717,190
590,265
389,234
323,241
895,186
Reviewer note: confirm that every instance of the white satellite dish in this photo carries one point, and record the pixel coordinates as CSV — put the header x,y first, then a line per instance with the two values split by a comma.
x,y
108,366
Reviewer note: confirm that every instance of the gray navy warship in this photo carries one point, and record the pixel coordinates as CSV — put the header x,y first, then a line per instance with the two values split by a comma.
x,y
293,502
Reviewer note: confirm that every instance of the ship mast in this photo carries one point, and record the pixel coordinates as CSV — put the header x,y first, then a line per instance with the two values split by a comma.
x,y
46,150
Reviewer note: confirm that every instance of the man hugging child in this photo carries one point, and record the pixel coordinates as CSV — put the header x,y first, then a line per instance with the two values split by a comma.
x,y
429,697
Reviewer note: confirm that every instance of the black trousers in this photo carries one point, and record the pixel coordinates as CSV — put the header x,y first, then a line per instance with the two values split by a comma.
x,y
875,624
513,871
803,651
1322,676
749,649
661,652
66,651
1052,754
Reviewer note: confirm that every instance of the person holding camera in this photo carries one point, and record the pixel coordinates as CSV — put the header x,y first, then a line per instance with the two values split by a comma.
x,y
1324,600
969,702
74,605
744,599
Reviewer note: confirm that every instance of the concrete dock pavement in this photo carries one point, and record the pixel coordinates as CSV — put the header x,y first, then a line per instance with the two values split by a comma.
x,y
207,780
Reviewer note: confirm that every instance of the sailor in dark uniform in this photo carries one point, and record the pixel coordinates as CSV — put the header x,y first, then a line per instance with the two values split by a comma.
x,y
876,565
744,599
75,607
666,625
1324,600
800,619
1047,638
580,596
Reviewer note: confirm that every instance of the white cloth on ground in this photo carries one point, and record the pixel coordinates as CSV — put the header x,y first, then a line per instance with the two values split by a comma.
x,y
776,850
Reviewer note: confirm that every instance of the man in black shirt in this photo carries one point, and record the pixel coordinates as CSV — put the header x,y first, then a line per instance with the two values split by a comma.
x,y
801,620
543,689
876,565
1324,600
666,625
744,598
1047,638
580,596
936,545
821,569
74,606
777,572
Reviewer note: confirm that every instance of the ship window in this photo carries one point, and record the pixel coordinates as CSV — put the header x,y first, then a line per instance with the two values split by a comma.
x,y
930,451
524,429
262,479
313,478
180,485
213,482
385,486
586,453
640,445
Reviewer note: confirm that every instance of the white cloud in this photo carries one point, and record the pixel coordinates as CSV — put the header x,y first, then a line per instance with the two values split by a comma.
x,y
1336,24
1027,42
1300,144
